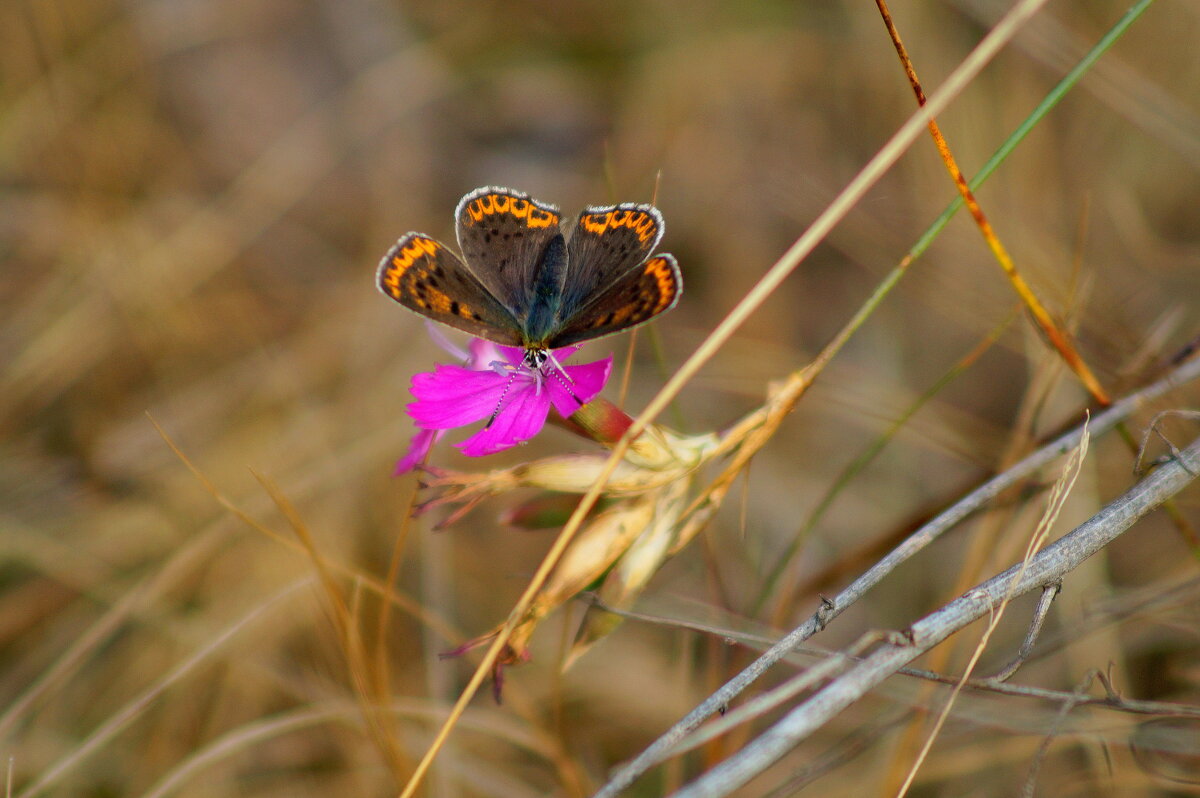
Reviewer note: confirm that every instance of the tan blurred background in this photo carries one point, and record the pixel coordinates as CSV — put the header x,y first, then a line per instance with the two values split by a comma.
x,y
195,196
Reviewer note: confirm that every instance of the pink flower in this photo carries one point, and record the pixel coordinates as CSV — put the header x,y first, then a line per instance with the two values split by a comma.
x,y
497,387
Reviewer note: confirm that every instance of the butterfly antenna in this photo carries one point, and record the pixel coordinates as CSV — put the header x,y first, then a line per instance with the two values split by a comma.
x,y
563,377
500,401
558,367
567,387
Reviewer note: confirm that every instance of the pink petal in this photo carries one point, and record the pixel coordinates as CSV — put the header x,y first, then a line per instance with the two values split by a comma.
x,y
584,383
522,416
565,352
434,331
452,396
484,353
514,355
418,447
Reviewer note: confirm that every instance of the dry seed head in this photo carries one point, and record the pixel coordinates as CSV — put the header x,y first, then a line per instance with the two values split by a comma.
x,y
641,560
645,555
576,473
661,449
597,546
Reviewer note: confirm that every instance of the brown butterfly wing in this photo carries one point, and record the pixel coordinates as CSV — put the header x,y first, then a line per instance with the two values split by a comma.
x,y
603,246
644,292
421,274
503,235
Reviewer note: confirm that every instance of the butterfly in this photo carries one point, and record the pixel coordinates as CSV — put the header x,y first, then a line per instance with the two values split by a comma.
x,y
525,279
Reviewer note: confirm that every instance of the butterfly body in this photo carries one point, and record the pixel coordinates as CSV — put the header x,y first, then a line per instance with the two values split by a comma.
x,y
527,280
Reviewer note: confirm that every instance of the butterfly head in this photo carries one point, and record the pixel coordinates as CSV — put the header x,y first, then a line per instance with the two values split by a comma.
x,y
535,358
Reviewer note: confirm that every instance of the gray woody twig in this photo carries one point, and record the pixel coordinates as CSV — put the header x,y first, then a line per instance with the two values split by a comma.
x,y
924,536
1047,566
1035,628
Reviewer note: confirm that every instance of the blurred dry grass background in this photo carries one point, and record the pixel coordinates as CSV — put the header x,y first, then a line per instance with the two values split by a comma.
x,y
195,194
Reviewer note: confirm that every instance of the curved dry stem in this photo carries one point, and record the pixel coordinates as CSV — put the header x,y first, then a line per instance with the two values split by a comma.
x,y
1047,566
1058,336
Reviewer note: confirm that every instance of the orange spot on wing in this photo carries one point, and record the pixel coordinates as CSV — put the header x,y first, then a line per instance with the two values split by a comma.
x,y
517,207
391,278
664,280
645,227
638,221
541,218
397,278
594,223
403,260
439,301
